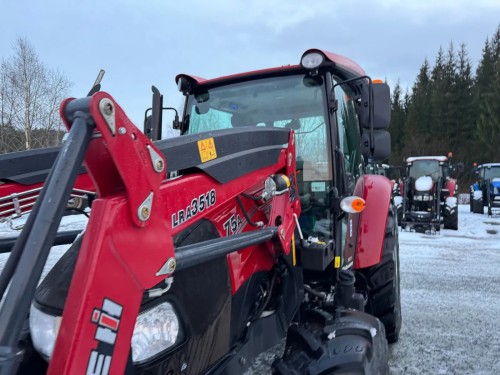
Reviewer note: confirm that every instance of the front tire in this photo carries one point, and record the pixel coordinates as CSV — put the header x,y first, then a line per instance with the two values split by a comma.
x,y
354,343
381,284
451,221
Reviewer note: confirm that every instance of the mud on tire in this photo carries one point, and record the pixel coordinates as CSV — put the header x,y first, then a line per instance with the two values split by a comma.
x,y
380,283
353,343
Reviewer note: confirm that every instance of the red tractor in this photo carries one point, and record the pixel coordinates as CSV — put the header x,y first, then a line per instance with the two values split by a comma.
x,y
429,194
207,249
21,179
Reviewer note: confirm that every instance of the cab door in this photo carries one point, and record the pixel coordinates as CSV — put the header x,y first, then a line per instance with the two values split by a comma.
x,y
350,169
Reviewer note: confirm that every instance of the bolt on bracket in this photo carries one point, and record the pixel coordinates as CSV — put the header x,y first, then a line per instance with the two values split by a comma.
x,y
156,159
108,112
144,210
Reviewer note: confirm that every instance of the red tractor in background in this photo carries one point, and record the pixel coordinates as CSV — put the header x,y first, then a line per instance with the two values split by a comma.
x,y
429,194
21,179
207,249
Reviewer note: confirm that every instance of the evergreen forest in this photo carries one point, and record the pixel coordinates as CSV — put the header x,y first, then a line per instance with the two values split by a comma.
x,y
451,108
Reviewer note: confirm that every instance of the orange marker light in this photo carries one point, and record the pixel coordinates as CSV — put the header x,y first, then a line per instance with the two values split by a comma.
x,y
358,205
377,81
352,204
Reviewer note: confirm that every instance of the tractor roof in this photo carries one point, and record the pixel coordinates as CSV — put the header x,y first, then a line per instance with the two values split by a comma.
x,y
489,165
437,158
343,66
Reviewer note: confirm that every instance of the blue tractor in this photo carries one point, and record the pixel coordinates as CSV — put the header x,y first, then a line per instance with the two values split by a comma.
x,y
486,190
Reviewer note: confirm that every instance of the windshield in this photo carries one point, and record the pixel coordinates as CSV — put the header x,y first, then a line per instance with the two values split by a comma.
x,y
293,101
425,168
491,172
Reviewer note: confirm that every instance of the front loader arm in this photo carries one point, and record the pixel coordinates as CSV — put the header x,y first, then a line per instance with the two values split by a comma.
x,y
127,247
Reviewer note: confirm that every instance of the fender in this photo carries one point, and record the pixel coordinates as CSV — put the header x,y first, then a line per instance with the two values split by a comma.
x,y
451,185
373,219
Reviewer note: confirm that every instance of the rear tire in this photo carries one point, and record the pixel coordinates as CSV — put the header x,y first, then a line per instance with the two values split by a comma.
x,y
478,206
354,344
380,283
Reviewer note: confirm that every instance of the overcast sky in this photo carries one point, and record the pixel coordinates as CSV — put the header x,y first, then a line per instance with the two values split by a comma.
x,y
145,42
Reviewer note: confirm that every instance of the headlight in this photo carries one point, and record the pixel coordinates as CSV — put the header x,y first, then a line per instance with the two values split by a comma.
x,y
44,329
424,197
155,330
312,60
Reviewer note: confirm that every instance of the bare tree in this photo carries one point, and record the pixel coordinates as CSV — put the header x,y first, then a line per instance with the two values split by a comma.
x,y
30,94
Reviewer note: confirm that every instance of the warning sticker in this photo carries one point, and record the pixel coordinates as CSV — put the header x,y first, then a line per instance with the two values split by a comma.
x,y
337,262
207,149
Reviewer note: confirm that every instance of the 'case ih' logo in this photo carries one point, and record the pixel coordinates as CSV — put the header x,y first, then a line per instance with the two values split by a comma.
x,y
107,319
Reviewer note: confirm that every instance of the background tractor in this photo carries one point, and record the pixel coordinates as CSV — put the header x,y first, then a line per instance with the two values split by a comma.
x,y
486,190
429,194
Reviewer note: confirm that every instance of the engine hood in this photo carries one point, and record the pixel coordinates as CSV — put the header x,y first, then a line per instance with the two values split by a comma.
x,y
423,184
495,183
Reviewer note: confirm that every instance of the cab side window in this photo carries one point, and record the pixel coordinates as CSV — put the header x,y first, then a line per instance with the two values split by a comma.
x,y
348,131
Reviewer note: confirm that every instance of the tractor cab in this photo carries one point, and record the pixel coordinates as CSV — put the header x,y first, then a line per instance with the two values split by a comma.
x,y
337,113
428,169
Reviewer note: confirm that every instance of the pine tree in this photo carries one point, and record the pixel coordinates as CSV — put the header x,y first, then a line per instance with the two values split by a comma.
x,y
398,120
464,112
442,102
487,100
418,118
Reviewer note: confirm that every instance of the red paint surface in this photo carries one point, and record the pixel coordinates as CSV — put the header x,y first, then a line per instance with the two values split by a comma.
x,y
451,185
377,194
109,322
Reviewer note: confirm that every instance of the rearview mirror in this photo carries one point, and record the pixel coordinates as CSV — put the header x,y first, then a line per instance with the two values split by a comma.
x,y
381,106
381,101
381,145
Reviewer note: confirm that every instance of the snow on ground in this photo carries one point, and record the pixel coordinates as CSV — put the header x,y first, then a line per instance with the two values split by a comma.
x,y
450,288
69,222
450,292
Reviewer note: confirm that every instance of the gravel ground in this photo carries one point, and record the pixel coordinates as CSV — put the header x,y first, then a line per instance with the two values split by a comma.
x,y
450,287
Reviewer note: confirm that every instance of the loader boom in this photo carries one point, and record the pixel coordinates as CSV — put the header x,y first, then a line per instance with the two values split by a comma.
x,y
137,205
